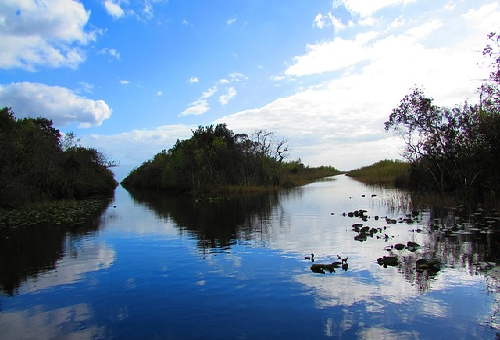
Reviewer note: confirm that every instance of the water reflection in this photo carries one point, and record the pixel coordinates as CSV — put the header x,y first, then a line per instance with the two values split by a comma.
x,y
217,224
69,322
36,257
312,220
162,266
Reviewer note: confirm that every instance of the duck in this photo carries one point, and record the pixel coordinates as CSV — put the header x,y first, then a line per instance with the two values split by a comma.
x,y
429,265
320,268
387,261
399,246
337,264
310,257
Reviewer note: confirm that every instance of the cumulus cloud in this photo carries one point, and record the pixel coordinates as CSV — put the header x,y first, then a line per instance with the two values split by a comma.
x,y
46,33
231,93
113,8
231,21
332,55
61,105
198,107
193,80
345,114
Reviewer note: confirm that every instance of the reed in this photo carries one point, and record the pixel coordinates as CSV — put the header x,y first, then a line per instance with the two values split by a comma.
x,y
386,172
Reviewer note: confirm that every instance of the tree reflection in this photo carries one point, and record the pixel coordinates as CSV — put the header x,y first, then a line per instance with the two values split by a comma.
x,y
216,223
26,252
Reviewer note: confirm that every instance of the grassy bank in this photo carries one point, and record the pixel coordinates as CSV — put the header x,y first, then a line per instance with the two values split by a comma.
x,y
385,172
66,212
291,175
298,176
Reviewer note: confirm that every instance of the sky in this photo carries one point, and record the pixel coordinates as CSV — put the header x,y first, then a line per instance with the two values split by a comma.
x,y
130,77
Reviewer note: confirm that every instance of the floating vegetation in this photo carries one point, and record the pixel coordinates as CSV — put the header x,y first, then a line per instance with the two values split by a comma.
x,y
64,213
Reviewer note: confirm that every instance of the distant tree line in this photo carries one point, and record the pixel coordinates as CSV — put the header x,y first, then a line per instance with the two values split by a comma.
x,y
454,149
214,159
37,164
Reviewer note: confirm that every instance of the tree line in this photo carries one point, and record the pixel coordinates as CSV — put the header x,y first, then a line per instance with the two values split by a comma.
x,y
38,163
454,149
214,159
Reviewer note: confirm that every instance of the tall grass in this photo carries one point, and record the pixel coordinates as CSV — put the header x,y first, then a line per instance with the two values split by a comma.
x,y
386,172
294,176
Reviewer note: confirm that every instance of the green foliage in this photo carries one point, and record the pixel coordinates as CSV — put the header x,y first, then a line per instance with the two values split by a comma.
x,y
38,164
215,159
454,149
386,172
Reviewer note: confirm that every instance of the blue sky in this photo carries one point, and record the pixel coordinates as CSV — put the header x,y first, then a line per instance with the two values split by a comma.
x,y
131,77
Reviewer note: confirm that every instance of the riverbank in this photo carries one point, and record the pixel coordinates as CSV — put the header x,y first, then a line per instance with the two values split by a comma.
x,y
67,212
386,172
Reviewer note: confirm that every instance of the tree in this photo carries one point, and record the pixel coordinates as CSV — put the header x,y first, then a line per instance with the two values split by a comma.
x,y
458,148
37,164
213,158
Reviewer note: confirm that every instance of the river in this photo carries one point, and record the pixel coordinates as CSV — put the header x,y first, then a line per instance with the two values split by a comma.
x,y
169,267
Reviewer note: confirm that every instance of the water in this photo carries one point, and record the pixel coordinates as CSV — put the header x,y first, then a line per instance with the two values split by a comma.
x,y
162,267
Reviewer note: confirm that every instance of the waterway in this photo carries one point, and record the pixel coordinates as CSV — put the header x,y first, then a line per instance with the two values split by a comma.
x,y
152,266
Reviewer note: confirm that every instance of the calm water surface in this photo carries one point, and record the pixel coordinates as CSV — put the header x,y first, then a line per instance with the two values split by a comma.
x,y
162,267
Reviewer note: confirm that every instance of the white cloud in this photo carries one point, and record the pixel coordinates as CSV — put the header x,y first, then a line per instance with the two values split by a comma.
x,y
345,114
198,107
231,21
124,82
113,8
193,80
321,21
140,9
111,52
450,6
231,93
398,22
86,87
424,30
132,148
366,8
340,121
159,93
278,78
47,33
59,104
209,93
236,76
332,55
485,18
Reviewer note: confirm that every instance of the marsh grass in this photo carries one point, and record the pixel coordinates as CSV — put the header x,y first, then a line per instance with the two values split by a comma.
x,y
386,172
67,212
298,177
290,177
406,202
